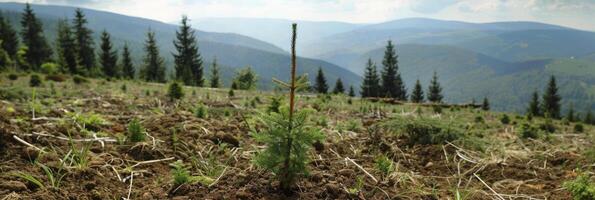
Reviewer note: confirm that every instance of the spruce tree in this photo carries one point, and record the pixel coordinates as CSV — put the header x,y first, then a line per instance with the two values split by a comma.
x,y
392,84
108,57
551,100
153,69
10,40
417,95
128,70
84,43
570,115
339,87
321,86
351,91
187,59
38,50
534,108
435,90
66,48
371,84
215,77
486,104
588,117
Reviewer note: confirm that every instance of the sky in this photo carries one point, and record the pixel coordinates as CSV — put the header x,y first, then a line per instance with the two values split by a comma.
x,y
578,14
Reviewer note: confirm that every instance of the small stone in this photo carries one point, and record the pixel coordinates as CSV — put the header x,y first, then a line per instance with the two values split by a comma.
x,y
429,164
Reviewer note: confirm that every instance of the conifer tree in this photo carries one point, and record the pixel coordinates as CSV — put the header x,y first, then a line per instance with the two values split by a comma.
x,y
339,87
351,91
84,43
187,59
435,90
128,70
38,50
588,117
486,104
108,57
392,84
321,86
153,69
66,48
10,40
245,79
534,108
371,84
551,100
215,77
417,95
570,115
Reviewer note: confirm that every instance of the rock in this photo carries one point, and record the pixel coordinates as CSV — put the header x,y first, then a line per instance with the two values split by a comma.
x,y
15,186
429,164
346,172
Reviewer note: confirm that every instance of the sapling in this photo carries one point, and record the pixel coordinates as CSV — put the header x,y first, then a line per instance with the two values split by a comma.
x,y
175,91
287,135
136,132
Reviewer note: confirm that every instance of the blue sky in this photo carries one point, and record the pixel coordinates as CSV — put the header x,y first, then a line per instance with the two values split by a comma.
x,y
573,13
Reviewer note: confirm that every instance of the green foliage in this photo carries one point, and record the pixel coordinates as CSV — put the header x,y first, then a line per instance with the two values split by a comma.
x,y
534,108
425,130
527,131
578,128
339,88
417,95
479,119
551,99
384,165
435,90
201,111
55,77
351,91
35,80
371,84
89,121
79,79
581,188
153,69
128,70
391,83
505,119
66,48
548,125
320,85
188,63
136,131
275,104
13,77
175,91
245,79
230,93
54,177
180,173
49,68
486,104
39,50
108,57
84,43
215,79
123,87
437,109
287,141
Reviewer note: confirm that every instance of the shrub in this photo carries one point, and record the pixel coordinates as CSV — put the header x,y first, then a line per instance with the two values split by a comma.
x,y
548,126
578,128
55,77
136,132
180,173
35,80
437,109
13,77
123,88
479,119
230,93
421,132
528,131
384,164
89,121
175,91
275,104
49,68
505,119
79,79
201,111
581,188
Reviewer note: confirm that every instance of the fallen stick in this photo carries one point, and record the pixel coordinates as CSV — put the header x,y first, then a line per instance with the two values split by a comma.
x,y
216,180
151,161
361,168
96,139
484,183
26,143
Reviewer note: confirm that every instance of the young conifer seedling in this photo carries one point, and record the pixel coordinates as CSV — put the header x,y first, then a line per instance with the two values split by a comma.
x,y
287,134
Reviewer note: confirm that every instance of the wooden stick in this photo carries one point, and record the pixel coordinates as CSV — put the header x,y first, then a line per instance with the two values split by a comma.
x,y
361,168
221,175
26,143
151,161
484,183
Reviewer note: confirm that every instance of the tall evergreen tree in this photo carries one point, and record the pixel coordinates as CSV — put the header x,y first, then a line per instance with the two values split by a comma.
x,y
108,57
588,117
534,108
66,48
486,104
10,40
417,95
551,100
435,90
570,115
38,50
215,77
153,69
84,43
188,61
128,70
339,88
392,84
371,84
351,91
321,86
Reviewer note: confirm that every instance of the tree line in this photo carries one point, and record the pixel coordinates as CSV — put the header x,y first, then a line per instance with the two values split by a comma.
x,y
75,52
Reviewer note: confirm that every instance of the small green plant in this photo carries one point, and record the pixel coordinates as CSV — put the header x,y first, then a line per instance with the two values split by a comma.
x,y
437,109
54,177
136,132
49,68
89,121
79,79
275,104
35,80
578,128
357,188
123,87
79,158
201,111
548,125
479,119
581,188
175,91
13,77
528,131
180,173
230,93
505,119
384,165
